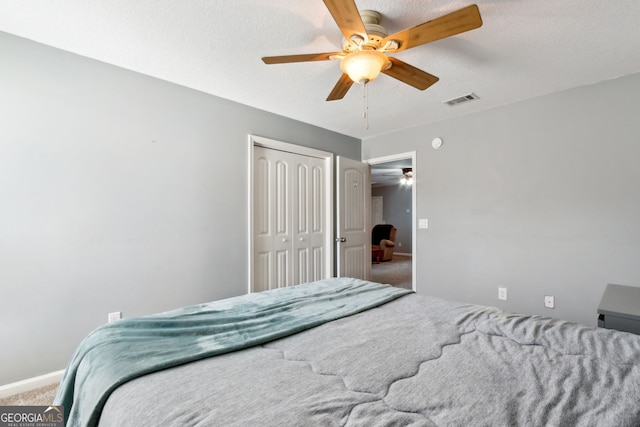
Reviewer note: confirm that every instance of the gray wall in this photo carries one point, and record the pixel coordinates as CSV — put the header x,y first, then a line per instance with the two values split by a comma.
x,y
396,201
119,192
540,196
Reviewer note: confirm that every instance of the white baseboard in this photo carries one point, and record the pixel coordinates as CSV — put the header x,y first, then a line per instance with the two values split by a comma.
x,y
401,254
30,383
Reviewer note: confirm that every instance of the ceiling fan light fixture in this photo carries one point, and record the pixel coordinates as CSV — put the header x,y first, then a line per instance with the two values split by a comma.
x,y
365,41
407,176
364,66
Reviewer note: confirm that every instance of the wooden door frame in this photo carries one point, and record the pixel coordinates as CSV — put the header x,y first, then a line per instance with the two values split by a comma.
x,y
259,141
403,156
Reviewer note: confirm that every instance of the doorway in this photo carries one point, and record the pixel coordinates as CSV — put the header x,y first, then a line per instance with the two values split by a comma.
x,y
397,197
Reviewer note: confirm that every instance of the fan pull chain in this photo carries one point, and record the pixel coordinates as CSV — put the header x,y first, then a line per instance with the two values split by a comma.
x,y
365,105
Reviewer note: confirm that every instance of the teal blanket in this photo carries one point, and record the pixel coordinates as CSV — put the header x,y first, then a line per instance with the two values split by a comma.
x,y
121,351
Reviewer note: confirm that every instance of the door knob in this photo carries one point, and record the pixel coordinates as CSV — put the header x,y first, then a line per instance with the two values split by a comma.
x,y
341,239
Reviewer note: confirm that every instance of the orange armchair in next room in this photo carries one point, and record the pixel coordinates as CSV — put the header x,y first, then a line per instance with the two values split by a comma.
x,y
383,237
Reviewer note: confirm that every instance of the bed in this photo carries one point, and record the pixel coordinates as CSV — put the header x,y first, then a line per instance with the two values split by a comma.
x,y
346,352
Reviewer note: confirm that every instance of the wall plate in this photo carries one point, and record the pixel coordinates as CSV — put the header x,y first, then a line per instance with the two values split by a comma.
x,y
549,301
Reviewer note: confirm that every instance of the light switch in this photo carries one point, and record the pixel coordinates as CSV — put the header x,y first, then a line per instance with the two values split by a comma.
x,y
423,223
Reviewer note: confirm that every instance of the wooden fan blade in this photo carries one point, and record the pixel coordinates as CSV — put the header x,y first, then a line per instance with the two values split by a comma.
x,y
410,75
346,15
341,88
305,57
465,19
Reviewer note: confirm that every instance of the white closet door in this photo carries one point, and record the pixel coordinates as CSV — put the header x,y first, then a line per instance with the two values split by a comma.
x,y
309,219
273,234
289,219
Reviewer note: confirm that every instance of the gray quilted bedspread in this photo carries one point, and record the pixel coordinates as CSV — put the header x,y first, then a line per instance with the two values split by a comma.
x,y
416,361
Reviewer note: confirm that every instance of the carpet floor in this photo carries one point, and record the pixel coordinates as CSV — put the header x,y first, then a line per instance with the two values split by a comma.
x,y
396,272
42,396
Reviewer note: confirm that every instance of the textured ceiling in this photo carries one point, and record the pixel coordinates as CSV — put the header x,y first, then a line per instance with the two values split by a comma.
x,y
524,49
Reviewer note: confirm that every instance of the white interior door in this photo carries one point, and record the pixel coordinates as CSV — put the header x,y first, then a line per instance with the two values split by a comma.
x,y
290,225
353,238
376,210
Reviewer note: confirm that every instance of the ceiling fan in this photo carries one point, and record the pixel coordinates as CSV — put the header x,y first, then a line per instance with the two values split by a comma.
x,y
366,44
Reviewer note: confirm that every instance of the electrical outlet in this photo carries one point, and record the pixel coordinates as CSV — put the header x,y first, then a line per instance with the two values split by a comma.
x,y
116,315
502,294
549,301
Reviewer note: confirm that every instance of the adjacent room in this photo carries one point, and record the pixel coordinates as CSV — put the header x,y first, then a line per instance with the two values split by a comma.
x,y
143,144
392,222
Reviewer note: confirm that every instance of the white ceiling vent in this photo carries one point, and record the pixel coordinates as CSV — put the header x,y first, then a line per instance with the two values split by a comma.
x,y
461,99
